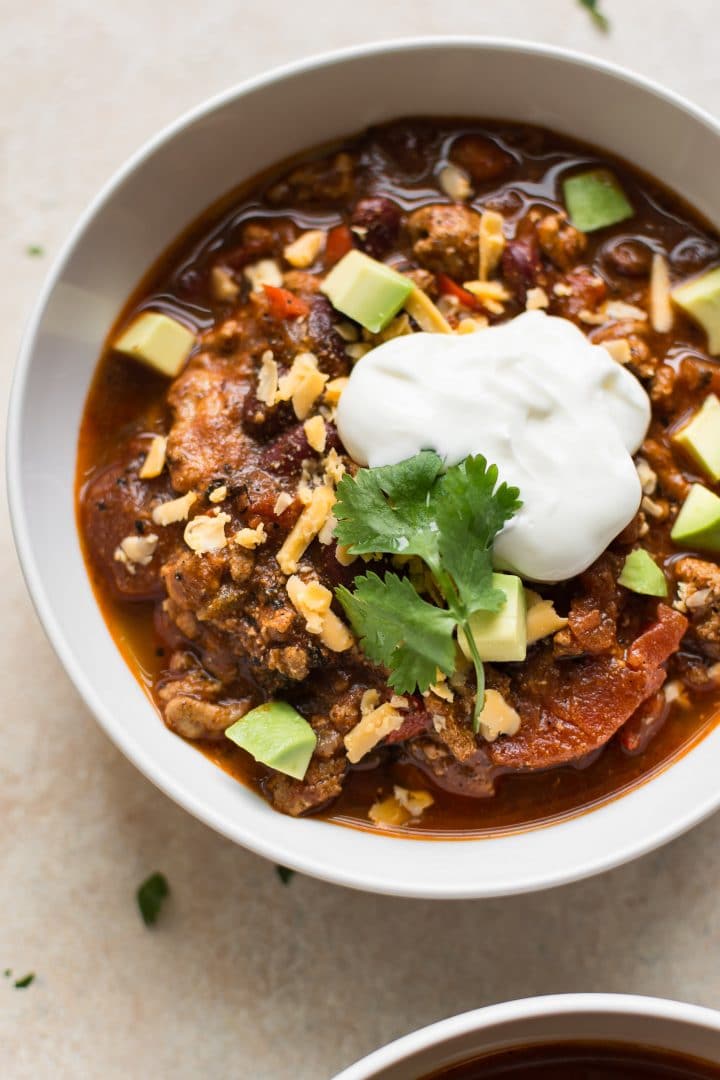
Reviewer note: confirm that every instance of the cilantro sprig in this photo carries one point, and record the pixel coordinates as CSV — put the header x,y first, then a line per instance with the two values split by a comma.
x,y
449,520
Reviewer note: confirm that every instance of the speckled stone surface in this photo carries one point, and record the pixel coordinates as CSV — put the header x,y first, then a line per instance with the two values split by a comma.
x,y
245,977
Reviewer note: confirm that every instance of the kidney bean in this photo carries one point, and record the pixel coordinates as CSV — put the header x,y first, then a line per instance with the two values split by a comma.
x,y
378,219
630,258
285,454
481,157
521,265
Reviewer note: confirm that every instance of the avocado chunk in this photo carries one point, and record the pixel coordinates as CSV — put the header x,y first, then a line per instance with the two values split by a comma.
x,y
500,635
366,290
700,299
277,735
701,437
595,200
698,523
158,341
641,574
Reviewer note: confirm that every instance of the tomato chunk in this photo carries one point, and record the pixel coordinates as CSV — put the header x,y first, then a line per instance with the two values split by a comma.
x,y
448,287
659,641
284,304
339,242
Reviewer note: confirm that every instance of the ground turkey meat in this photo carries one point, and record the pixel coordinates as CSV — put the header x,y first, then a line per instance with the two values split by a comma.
x,y
699,596
445,240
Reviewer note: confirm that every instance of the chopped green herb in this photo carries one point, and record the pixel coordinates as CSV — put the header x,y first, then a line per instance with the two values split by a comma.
x,y
593,7
450,521
26,980
399,629
34,250
151,896
7,973
284,874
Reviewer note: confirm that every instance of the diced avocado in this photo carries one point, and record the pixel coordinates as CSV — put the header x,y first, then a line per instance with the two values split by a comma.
x,y
641,574
595,200
500,635
158,341
277,735
366,290
700,298
698,523
701,437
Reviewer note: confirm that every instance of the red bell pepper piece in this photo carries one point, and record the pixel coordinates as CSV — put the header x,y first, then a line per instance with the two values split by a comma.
x,y
284,304
339,242
448,287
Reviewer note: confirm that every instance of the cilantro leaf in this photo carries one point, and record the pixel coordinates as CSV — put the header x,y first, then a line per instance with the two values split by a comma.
x,y
390,509
151,896
593,7
34,250
470,509
27,980
285,874
399,629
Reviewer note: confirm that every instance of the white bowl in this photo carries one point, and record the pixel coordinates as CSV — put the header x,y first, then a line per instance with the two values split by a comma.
x,y
638,1021
140,211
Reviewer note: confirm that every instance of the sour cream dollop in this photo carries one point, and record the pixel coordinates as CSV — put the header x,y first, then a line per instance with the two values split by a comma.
x,y
557,415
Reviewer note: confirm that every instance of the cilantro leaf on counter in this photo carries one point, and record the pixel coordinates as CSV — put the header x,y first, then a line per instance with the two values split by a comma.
x,y
35,250
27,980
285,874
470,510
399,629
450,521
593,8
390,509
150,897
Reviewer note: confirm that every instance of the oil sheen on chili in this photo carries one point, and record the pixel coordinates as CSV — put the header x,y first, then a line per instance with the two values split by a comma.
x,y
623,684
591,1061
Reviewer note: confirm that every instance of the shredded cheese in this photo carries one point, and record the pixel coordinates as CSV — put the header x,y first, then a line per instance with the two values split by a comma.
x,y
536,299
491,241
267,384
303,252
316,433
222,284
455,183
306,528
334,389
206,533
619,349
263,272
136,551
425,313
154,462
282,502
218,494
541,619
661,312
497,718
371,729
251,538
312,601
303,384
167,513
491,294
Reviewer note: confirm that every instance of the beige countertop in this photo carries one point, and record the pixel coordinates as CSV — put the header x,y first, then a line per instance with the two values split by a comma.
x,y
245,977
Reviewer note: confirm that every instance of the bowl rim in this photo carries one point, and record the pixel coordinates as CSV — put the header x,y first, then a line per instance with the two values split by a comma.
x,y
155,771
505,1012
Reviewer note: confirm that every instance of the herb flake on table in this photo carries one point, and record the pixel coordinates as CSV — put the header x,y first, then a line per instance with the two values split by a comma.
x,y
285,874
35,251
151,896
449,520
25,981
593,8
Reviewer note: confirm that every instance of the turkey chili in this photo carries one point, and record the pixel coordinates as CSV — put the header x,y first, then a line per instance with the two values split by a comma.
x,y
397,480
